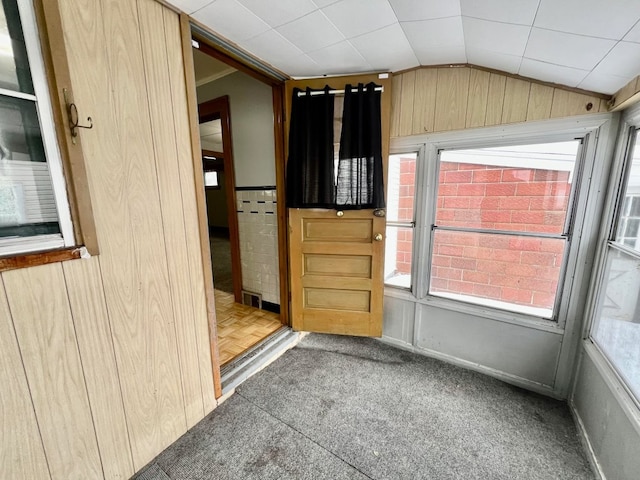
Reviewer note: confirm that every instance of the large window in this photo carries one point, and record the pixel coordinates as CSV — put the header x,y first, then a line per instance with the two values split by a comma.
x,y
616,328
34,214
502,228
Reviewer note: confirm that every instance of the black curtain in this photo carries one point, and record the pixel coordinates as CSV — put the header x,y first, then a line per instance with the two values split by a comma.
x,y
360,183
310,166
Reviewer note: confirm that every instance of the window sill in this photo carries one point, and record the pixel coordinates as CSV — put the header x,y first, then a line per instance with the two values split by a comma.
x,y
39,258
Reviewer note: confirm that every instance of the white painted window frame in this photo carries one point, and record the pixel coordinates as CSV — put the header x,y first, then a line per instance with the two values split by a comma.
x,y
44,108
596,129
618,386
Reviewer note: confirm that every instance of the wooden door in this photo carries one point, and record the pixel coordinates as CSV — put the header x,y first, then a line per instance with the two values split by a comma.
x,y
336,259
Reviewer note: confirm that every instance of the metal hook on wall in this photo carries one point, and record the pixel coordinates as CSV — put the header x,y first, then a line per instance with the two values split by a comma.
x,y
72,114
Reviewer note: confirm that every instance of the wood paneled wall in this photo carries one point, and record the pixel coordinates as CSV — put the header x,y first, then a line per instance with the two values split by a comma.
x,y
105,361
434,99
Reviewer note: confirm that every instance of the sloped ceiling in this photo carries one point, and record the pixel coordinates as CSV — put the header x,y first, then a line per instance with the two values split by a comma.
x,y
589,44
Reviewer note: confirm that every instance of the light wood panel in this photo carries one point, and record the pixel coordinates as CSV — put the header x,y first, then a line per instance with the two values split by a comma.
x,y
495,99
424,106
477,101
201,204
164,141
93,332
177,75
627,95
44,329
438,99
451,98
21,451
516,101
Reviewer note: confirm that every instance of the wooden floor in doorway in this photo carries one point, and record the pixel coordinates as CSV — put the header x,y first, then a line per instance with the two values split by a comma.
x,y
240,327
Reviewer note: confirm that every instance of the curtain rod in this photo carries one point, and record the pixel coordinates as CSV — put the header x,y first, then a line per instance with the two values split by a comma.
x,y
335,92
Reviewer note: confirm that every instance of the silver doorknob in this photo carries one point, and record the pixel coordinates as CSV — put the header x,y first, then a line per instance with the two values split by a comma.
x,y
378,237
339,213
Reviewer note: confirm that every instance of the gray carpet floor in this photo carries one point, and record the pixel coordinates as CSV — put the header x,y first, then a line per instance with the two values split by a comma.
x,y
353,408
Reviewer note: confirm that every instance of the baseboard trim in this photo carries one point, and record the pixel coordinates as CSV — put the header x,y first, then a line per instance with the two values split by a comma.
x,y
586,443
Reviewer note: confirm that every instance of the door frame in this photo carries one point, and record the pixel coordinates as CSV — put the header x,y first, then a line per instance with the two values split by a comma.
x,y
218,108
277,86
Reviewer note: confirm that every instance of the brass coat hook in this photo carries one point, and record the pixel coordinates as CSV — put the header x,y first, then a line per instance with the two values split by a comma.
x,y
72,114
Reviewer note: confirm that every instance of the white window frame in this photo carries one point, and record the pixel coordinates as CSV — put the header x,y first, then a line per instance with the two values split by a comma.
x,y
595,164
606,242
66,238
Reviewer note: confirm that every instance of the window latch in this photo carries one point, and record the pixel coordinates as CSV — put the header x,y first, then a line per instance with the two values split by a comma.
x,y
72,114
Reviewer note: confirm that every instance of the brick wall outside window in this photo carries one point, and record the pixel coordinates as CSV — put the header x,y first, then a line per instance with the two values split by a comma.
x,y
514,269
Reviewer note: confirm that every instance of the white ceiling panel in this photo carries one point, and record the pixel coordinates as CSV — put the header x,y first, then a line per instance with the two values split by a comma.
x,y
495,36
244,26
356,17
634,34
271,45
570,77
386,49
562,41
602,82
520,12
411,10
499,61
340,58
300,66
575,51
311,32
427,34
623,60
190,6
279,12
605,19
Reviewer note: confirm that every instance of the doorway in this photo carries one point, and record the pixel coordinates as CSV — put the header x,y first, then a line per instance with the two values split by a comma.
x,y
239,162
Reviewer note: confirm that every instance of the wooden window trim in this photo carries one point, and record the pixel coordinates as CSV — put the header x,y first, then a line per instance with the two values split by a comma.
x,y
54,56
39,258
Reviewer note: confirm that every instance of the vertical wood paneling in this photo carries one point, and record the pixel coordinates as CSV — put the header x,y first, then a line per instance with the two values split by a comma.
x,y
145,337
93,331
183,154
477,102
396,92
407,101
451,100
495,99
161,109
21,451
516,101
424,108
540,99
566,104
44,328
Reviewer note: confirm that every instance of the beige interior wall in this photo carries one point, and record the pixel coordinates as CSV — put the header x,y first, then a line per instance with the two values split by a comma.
x,y
105,361
431,99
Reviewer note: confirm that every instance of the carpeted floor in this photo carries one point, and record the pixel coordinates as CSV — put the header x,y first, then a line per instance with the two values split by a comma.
x,y
353,408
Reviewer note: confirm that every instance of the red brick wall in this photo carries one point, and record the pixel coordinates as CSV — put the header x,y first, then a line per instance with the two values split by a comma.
x,y
520,270
405,213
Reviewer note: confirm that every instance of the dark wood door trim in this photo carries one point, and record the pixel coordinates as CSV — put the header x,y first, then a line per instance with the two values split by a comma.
x,y
212,110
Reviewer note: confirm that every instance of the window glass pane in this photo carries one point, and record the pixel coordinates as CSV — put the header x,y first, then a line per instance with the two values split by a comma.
x,y
211,179
398,251
510,272
401,181
516,188
27,204
14,64
617,325
628,229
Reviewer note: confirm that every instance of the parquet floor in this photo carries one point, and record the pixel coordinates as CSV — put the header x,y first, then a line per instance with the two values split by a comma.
x,y
240,327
